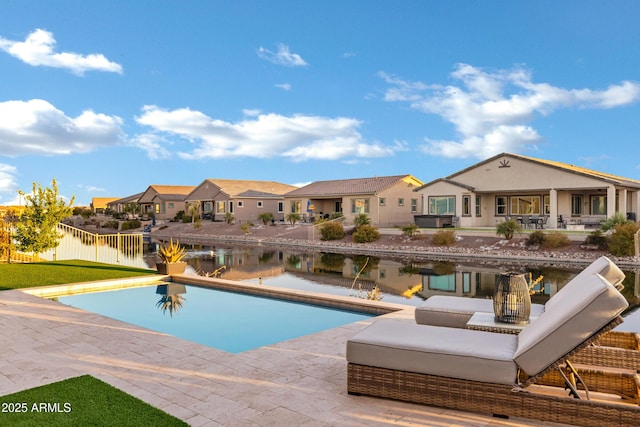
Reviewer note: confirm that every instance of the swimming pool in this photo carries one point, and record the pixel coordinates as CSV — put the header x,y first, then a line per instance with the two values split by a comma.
x,y
229,321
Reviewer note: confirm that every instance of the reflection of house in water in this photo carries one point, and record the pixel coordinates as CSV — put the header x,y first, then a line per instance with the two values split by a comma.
x,y
341,270
240,263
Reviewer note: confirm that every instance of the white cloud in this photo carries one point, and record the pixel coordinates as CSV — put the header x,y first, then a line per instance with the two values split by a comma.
x,y
38,49
282,57
7,178
8,184
92,188
492,110
298,137
284,86
37,127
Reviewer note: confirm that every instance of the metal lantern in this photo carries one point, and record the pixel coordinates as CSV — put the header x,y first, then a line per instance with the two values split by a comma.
x,y
511,299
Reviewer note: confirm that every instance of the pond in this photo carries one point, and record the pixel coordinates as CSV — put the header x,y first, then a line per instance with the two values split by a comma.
x,y
405,281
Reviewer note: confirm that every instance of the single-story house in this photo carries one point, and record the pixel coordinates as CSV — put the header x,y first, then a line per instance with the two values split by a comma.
x,y
163,202
244,199
386,200
99,204
515,186
120,205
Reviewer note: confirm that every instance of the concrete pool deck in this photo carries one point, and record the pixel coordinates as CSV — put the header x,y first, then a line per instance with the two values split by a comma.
x,y
299,382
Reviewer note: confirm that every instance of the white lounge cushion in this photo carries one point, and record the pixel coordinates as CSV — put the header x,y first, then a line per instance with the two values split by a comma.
x,y
401,344
455,312
584,310
603,266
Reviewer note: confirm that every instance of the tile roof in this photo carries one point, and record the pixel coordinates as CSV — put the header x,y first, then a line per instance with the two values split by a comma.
x,y
342,187
249,188
584,171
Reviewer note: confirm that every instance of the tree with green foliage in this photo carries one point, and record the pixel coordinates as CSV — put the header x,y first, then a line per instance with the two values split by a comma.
x,y
37,231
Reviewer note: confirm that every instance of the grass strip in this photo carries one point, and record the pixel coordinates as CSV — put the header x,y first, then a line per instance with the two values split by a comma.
x,y
80,401
28,275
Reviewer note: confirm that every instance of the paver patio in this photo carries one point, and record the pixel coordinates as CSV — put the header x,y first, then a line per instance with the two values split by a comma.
x,y
299,382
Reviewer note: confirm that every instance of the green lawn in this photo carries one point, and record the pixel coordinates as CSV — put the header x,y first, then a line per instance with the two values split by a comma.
x,y
28,275
80,401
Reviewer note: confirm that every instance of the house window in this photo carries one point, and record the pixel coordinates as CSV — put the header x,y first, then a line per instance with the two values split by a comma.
x,y
280,206
525,205
444,205
400,201
478,210
501,205
414,205
466,282
383,201
240,204
260,204
220,207
547,204
446,282
170,205
576,204
598,205
157,207
359,206
296,206
466,205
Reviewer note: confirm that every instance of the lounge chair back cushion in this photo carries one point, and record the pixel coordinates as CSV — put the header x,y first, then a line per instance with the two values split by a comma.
x,y
586,307
603,266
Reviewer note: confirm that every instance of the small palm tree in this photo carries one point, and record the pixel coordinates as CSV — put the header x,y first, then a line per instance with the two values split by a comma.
x,y
266,217
361,219
508,228
293,218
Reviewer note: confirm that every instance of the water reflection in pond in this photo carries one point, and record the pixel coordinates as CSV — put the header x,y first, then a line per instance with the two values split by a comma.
x,y
400,280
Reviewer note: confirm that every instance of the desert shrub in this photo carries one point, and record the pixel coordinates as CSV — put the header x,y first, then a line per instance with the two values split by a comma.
x,y
332,231
621,241
611,222
111,224
335,215
535,239
555,239
410,230
181,217
130,225
596,238
229,218
245,227
444,238
365,234
360,220
508,228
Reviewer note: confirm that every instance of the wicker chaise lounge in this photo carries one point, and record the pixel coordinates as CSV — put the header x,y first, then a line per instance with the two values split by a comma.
x,y
616,349
491,372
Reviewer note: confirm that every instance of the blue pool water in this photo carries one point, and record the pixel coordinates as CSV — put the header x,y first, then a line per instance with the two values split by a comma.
x,y
228,321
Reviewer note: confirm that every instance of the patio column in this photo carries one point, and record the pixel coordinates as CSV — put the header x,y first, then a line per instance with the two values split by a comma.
x,y
611,201
553,208
622,201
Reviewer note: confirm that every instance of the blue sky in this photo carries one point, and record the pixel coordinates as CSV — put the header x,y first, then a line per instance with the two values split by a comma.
x,y
109,97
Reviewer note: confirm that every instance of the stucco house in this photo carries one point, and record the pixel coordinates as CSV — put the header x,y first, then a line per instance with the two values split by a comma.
x,y
387,200
119,205
99,204
163,202
245,199
515,186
